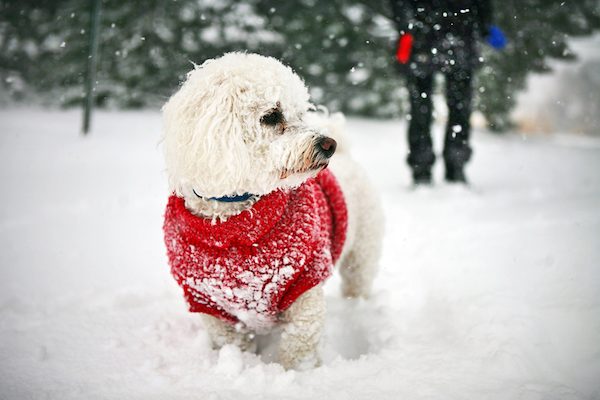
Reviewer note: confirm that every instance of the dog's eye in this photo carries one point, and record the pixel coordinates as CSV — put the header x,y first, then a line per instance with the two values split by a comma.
x,y
272,118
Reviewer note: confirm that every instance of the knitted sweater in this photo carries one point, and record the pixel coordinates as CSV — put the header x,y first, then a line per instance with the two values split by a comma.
x,y
253,266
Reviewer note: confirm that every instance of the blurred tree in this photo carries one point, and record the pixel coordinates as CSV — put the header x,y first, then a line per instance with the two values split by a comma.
x,y
28,45
342,48
538,30
146,47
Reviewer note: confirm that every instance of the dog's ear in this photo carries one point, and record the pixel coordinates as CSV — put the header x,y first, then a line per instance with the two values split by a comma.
x,y
203,138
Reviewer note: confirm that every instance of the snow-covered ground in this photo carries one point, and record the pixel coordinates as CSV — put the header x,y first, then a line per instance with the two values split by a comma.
x,y
490,292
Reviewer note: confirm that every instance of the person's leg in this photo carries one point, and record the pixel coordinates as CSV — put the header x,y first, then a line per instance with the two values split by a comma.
x,y
420,157
456,145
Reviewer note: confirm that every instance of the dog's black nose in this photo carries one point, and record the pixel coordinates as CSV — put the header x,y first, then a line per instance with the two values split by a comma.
x,y
326,146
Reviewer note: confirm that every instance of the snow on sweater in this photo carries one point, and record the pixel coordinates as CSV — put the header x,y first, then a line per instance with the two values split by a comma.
x,y
253,266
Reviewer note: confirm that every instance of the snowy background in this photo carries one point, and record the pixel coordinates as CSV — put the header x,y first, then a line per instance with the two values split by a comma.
x,y
567,99
486,292
342,48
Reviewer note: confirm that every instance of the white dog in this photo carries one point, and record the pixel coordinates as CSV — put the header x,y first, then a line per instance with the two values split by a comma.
x,y
255,221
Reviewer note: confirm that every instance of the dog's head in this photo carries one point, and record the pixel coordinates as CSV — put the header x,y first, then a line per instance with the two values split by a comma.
x,y
237,125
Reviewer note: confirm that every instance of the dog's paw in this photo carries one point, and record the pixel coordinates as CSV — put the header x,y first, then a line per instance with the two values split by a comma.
x,y
291,361
353,292
244,341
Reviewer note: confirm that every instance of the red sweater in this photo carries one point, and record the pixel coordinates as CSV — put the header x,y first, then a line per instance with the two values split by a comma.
x,y
253,266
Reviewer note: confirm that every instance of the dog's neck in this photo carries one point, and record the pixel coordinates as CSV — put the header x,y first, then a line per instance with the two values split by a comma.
x,y
217,210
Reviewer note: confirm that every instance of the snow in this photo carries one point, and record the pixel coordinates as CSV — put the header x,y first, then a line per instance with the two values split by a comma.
x,y
566,100
484,292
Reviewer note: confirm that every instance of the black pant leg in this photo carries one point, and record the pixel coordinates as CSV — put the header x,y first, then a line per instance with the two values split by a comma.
x,y
458,97
420,156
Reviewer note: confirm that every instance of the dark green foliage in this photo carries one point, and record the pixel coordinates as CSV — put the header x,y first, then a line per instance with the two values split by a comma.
x,y
342,48
538,30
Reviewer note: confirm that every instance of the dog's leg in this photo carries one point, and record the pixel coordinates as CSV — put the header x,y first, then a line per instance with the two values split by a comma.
x,y
359,266
222,333
360,260
301,335
358,271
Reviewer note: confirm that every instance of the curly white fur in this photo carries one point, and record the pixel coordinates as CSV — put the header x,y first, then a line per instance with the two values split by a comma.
x,y
213,135
217,143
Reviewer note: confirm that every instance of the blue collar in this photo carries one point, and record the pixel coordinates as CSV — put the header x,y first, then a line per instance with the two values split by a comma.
x,y
228,199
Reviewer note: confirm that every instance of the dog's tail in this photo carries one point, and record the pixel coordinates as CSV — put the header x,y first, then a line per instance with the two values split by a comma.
x,y
333,126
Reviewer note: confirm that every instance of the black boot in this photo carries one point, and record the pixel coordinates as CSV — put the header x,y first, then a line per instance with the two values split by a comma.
x,y
421,161
422,177
455,174
455,158
421,164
